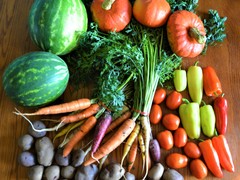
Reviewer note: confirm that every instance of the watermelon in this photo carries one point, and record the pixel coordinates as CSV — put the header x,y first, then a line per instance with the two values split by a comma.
x,y
57,25
35,79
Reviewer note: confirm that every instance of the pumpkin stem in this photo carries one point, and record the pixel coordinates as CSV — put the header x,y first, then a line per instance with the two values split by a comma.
x,y
107,4
194,33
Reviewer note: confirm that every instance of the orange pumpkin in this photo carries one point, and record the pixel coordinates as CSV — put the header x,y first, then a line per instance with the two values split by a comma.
x,y
151,13
186,33
111,15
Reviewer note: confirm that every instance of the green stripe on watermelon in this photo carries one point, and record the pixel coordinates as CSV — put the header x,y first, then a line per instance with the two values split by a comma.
x,y
36,79
57,26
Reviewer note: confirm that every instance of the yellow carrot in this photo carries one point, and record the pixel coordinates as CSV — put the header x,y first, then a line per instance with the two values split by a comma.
x,y
130,141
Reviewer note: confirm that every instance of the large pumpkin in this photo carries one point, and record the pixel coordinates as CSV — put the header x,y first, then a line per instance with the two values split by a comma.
x,y
151,13
186,33
111,15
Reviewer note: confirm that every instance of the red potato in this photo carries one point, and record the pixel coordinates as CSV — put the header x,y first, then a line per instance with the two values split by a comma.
x,y
192,150
159,96
180,137
165,139
198,169
176,160
155,114
174,100
171,121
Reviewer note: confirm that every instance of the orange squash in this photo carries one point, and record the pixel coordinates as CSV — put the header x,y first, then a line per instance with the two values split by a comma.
x,y
111,15
151,13
186,33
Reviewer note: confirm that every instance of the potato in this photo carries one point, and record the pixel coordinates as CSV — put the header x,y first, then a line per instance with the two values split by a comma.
x,y
67,172
156,172
35,172
45,151
86,172
60,160
128,176
25,142
112,171
172,174
27,159
52,172
78,156
37,125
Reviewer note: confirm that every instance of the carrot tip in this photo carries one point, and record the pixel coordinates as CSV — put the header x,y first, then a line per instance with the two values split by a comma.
x,y
95,158
61,124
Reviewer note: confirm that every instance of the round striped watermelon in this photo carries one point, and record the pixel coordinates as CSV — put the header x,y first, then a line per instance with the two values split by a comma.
x,y
36,78
57,25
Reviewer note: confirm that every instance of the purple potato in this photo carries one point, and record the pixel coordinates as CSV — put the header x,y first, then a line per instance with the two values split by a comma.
x,y
27,159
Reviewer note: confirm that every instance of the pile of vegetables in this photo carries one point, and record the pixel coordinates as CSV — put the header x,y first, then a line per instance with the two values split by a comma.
x,y
129,50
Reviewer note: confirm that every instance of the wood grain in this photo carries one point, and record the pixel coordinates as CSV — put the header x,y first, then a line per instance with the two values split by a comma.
x,y
15,41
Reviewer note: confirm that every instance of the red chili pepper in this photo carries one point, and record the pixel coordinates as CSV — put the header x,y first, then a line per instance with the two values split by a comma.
x,y
221,145
220,108
211,83
211,158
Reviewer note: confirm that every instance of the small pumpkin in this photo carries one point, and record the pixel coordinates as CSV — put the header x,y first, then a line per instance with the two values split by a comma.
x,y
111,15
186,33
151,13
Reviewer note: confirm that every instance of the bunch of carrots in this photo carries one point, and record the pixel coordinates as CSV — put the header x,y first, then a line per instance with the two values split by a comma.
x,y
86,115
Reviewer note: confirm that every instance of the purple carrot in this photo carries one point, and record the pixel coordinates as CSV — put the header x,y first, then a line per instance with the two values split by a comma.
x,y
103,122
155,150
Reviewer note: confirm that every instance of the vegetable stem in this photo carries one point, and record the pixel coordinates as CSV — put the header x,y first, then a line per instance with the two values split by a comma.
x,y
107,4
194,33
125,83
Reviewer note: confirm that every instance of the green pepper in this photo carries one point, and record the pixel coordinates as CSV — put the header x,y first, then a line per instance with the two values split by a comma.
x,y
190,118
207,119
195,83
180,80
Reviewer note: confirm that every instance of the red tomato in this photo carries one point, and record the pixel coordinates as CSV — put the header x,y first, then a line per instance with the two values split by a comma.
x,y
171,121
180,137
198,169
155,114
159,96
174,100
165,139
176,160
192,150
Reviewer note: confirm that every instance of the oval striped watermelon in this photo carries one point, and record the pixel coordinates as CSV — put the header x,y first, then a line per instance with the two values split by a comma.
x,y
35,79
57,25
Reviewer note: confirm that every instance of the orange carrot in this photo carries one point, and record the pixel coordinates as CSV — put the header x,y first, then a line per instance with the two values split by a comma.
x,y
64,107
119,121
132,155
84,129
113,142
90,111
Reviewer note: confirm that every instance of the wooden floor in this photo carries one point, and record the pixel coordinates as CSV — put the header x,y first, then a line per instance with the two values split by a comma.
x,y
15,41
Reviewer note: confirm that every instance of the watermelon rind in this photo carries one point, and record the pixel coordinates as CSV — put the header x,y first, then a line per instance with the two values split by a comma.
x,y
57,25
36,78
